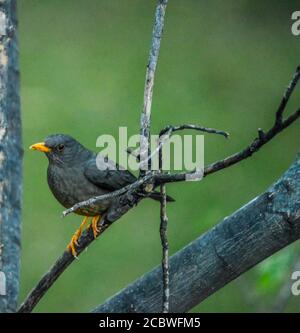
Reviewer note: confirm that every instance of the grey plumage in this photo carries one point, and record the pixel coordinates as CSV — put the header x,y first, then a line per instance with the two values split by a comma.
x,y
74,174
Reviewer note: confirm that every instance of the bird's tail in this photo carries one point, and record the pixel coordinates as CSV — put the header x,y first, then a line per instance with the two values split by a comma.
x,y
156,196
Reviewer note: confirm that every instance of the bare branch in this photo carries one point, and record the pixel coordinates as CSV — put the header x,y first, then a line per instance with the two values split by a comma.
x,y
165,248
149,83
256,144
163,137
164,239
111,195
167,132
253,147
170,129
287,96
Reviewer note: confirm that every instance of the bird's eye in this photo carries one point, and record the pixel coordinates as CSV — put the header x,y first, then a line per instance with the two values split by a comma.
x,y
60,147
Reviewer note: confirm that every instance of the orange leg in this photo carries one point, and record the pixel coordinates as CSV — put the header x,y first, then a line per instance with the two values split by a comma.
x,y
94,225
77,234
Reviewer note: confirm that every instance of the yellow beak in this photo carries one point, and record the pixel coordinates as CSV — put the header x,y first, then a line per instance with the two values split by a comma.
x,y
41,147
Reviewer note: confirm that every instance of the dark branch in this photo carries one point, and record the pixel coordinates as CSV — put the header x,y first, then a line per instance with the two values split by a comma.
x,y
163,136
254,232
165,249
287,96
121,205
254,147
170,129
164,239
262,139
55,271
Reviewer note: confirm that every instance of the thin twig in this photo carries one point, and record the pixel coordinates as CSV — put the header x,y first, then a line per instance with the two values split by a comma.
x,y
66,259
149,83
286,96
255,146
164,240
232,159
163,137
170,129
165,249
262,139
111,195
165,134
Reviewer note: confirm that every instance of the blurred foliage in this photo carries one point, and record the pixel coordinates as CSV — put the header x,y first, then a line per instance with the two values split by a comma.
x,y
272,273
223,64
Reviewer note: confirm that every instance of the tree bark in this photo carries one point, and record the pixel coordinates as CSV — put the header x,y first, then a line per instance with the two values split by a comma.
x,y
10,158
266,224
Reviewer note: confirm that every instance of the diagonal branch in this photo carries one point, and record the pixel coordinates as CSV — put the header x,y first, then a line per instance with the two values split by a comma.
x,y
262,139
287,96
122,205
257,230
128,188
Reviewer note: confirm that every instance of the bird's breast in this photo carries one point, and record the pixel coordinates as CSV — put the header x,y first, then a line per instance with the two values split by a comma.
x,y
70,186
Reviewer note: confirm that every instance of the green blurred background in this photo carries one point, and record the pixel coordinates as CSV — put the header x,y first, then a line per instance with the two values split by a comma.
x,y
223,64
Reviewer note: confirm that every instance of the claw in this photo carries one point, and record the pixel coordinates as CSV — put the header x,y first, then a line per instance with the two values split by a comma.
x,y
94,225
72,249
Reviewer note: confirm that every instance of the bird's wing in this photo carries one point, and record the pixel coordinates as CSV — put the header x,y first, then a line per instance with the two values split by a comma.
x,y
101,174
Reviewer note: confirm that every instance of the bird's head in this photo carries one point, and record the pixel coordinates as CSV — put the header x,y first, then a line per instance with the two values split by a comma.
x,y
62,149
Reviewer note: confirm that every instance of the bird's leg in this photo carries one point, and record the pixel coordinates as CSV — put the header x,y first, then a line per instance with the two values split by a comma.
x,y
94,225
77,234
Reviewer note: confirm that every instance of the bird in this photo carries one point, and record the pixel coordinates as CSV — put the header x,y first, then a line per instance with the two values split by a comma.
x,y
74,175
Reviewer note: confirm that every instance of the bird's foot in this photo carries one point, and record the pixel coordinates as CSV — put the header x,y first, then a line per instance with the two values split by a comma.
x,y
74,240
94,225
